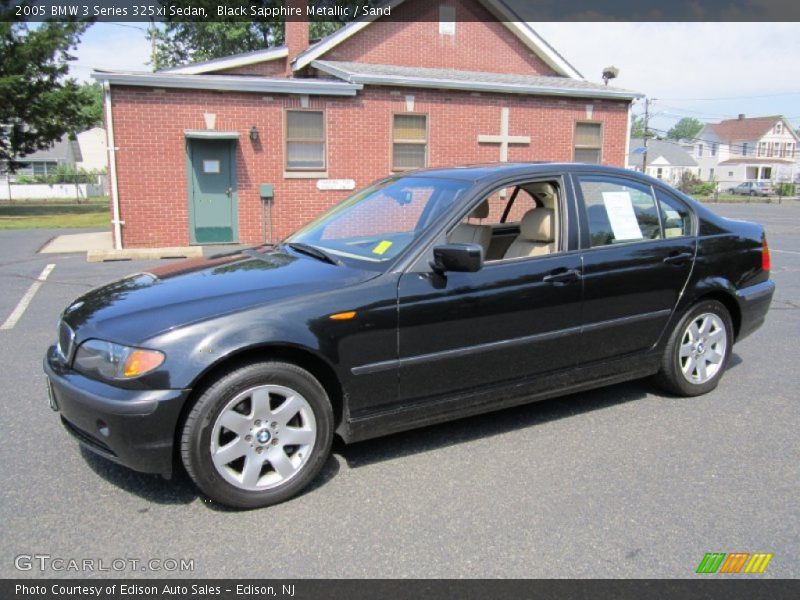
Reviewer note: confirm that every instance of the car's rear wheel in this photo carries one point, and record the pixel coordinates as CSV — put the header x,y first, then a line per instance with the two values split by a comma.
x,y
258,435
698,350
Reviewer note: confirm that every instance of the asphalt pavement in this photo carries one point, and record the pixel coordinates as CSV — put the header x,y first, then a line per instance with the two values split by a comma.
x,y
623,481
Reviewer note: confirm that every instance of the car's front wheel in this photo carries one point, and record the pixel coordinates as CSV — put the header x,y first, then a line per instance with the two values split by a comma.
x,y
258,435
698,350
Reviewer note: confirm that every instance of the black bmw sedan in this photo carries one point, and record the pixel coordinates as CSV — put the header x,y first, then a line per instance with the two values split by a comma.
x,y
422,298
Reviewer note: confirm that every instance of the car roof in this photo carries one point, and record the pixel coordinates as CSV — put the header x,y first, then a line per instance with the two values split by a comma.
x,y
488,172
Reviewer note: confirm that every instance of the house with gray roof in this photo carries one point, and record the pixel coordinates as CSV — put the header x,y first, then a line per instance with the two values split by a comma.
x,y
666,159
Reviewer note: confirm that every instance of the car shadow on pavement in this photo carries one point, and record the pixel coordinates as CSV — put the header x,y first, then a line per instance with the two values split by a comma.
x,y
474,428
178,490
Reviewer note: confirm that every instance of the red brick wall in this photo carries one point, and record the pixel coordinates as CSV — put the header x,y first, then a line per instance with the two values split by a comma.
x,y
151,161
272,68
482,44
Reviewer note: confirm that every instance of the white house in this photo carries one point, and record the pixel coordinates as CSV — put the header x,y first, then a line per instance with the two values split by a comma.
x,y
665,159
747,149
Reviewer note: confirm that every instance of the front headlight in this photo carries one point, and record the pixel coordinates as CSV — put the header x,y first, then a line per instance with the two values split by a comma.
x,y
106,360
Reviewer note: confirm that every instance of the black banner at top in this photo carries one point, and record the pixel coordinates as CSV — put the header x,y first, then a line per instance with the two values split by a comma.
x,y
400,10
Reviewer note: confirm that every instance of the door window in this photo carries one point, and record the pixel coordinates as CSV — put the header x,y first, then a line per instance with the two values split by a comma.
x,y
516,221
675,216
619,211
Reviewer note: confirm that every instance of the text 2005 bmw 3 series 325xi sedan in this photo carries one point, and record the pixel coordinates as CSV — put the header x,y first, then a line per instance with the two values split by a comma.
x,y
422,298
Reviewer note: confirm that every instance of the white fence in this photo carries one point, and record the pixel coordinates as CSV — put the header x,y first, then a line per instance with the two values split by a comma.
x,y
36,191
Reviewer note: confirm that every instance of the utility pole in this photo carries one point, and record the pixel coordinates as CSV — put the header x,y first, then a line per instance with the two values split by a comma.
x,y
646,118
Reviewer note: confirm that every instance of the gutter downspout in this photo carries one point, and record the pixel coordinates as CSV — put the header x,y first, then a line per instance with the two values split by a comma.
x,y
112,167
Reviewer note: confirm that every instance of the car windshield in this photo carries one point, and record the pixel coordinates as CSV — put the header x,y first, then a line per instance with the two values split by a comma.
x,y
373,226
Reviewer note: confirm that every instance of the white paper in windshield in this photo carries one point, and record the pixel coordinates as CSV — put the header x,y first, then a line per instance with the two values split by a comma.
x,y
621,216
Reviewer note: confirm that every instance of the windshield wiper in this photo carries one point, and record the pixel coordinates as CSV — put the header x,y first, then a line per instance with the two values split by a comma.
x,y
310,250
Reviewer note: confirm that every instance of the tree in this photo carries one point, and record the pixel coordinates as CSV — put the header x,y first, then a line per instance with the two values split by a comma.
x,y
92,107
40,104
685,129
180,42
637,127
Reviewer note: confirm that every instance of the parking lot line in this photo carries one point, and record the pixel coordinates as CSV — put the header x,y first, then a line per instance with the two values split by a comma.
x,y
19,310
784,251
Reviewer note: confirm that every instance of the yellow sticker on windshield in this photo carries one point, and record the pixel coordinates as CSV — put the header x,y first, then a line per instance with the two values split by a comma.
x,y
382,247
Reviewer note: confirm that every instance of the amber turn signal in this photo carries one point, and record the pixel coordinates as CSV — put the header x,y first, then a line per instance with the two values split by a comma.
x,y
343,316
141,361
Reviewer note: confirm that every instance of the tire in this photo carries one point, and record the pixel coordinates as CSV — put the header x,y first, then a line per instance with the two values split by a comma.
x,y
251,416
710,350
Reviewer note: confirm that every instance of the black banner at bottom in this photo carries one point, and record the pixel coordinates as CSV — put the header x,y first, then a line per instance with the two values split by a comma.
x,y
397,589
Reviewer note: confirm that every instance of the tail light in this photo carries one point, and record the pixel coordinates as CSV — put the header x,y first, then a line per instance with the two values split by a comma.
x,y
765,261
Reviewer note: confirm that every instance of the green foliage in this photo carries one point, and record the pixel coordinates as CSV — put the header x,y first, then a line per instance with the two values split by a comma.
x,y
694,186
92,103
181,42
60,174
785,189
637,127
687,128
39,103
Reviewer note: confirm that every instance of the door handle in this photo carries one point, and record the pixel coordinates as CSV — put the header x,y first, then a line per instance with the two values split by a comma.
x,y
560,277
676,259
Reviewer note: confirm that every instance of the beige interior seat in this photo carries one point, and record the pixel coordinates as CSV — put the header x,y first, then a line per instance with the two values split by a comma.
x,y
536,234
544,191
467,233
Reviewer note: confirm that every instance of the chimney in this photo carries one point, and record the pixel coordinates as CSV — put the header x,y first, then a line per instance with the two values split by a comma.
x,y
741,116
296,32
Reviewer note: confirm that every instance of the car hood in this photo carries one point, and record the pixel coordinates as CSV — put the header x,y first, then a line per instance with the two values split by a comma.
x,y
138,307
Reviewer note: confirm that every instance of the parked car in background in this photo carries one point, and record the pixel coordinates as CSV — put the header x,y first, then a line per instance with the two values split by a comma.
x,y
753,188
423,298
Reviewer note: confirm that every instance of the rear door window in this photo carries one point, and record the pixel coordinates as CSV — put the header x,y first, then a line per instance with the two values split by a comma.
x,y
619,211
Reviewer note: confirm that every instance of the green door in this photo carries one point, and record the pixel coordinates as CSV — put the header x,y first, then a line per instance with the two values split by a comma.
x,y
212,191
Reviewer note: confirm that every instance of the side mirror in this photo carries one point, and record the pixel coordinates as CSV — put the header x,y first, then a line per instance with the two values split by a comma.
x,y
465,258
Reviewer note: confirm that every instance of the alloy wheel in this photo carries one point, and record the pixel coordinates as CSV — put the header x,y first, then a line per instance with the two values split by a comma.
x,y
702,349
263,437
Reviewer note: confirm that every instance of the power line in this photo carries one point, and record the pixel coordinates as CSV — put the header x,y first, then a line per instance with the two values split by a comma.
x,y
736,97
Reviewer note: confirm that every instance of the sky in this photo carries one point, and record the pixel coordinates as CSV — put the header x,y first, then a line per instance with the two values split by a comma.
x,y
710,71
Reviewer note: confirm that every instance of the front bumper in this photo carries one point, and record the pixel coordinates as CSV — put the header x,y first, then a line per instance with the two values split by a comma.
x,y
754,303
135,428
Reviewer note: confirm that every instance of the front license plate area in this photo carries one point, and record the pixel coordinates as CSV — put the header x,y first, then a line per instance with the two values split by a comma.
x,y
51,396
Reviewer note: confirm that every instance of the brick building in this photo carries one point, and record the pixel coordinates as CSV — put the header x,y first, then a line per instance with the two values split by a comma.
x,y
248,148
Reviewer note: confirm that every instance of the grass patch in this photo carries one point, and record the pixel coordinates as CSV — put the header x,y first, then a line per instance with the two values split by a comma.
x,y
733,198
54,215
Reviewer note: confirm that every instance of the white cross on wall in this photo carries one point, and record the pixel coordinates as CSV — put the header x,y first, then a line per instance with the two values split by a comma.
x,y
504,139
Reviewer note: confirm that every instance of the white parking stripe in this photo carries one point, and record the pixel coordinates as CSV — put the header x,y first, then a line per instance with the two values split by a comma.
x,y
784,251
19,310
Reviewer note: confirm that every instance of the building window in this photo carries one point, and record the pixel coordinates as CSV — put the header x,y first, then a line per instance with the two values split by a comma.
x,y
699,149
778,127
588,142
762,148
714,149
790,150
711,174
305,140
744,149
660,173
409,141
